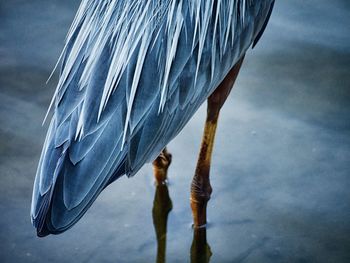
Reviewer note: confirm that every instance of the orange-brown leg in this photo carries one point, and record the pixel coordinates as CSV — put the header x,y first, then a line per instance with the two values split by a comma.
x,y
161,165
200,187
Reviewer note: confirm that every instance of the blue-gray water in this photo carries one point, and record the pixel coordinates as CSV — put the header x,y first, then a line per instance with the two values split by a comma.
x,y
281,162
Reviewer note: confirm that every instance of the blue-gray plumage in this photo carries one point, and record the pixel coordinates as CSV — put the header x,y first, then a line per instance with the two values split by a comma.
x,y
133,74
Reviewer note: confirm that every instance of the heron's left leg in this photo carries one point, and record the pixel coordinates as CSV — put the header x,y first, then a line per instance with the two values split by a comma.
x,y
161,165
200,187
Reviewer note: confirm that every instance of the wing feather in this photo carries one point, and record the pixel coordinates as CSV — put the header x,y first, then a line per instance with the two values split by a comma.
x,y
133,74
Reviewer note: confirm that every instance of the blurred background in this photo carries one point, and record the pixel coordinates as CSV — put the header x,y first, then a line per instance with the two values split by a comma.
x,y
281,165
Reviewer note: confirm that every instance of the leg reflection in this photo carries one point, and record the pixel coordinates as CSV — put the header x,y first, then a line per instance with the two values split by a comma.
x,y
200,249
162,203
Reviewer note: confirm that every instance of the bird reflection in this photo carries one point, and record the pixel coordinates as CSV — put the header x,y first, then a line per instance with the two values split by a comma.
x,y
162,205
200,249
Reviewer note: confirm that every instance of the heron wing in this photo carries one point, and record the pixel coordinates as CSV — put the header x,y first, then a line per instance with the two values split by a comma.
x,y
133,74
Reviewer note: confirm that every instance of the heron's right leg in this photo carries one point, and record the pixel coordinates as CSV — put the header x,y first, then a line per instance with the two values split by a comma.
x,y
200,187
161,165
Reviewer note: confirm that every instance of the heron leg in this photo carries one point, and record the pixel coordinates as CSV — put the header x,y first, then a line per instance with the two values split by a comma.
x,y
161,165
200,187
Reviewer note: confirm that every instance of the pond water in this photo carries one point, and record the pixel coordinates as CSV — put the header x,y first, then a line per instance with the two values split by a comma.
x,y
280,170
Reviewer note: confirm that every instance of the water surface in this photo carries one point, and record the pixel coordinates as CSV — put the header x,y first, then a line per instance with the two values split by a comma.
x,y
280,169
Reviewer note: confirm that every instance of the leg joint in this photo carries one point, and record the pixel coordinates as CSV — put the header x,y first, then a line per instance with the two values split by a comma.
x,y
200,190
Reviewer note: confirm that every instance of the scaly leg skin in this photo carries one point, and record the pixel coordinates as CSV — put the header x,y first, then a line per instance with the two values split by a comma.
x,y
200,187
160,166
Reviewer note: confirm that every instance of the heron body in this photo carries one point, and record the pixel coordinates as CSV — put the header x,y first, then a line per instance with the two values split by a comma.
x,y
133,74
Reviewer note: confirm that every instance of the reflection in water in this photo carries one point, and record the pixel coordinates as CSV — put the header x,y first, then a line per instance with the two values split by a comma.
x,y
200,249
162,205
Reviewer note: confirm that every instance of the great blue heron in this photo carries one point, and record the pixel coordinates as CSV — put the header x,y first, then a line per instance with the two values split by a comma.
x,y
133,74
